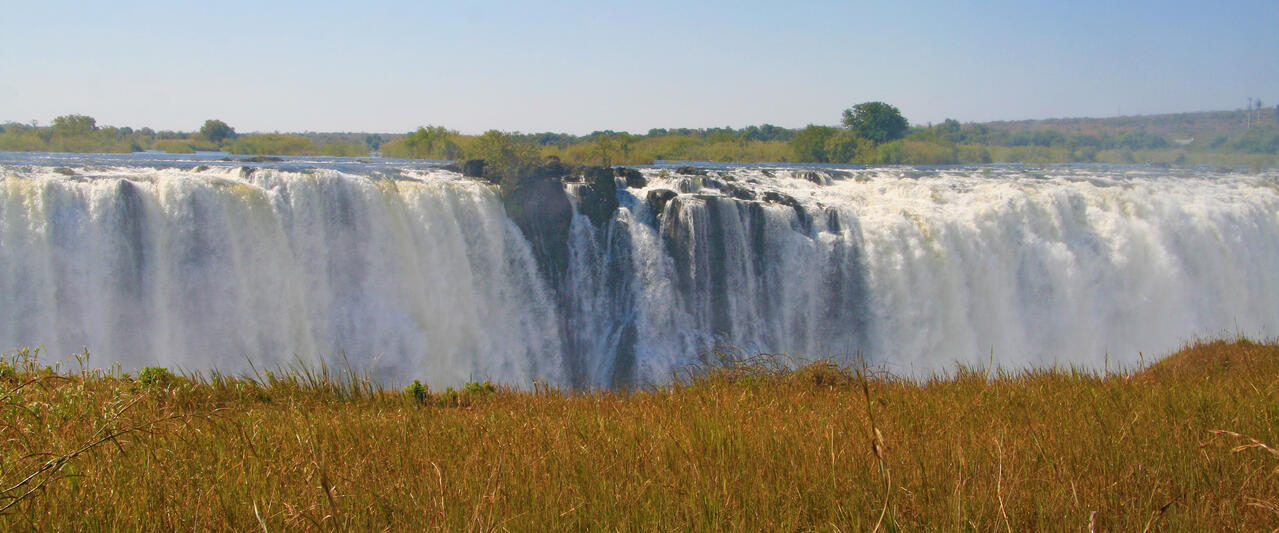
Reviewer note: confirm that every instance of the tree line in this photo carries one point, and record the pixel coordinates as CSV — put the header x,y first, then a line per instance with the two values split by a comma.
x,y
868,133
82,134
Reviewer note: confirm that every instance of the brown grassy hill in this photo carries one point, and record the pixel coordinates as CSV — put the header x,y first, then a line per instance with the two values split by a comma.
x,y
1181,446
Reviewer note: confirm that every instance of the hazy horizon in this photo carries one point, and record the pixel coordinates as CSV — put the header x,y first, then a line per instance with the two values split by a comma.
x,y
239,131
390,67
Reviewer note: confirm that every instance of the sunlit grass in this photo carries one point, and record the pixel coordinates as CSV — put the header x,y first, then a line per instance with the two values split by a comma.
x,y
1185,445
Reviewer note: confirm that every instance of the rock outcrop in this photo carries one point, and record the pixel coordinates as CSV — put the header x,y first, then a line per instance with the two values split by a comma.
x,y
598,198
634,178
657,199
690,171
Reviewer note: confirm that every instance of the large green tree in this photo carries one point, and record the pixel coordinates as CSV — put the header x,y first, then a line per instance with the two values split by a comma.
x,y
71,125
505,154
809,144
432,142
876,121
217,131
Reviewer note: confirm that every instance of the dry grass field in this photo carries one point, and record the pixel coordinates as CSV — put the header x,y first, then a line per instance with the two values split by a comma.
x,y
1179,446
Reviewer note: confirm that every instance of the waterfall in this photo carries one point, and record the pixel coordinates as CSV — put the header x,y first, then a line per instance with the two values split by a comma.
x,y
418,273
408,278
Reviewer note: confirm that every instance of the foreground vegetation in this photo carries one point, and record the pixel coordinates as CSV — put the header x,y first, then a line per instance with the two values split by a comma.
x,y
742,446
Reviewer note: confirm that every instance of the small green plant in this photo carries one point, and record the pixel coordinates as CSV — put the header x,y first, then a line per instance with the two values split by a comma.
x,y
464,397
7,373
450,398
418,391
477,388
156,377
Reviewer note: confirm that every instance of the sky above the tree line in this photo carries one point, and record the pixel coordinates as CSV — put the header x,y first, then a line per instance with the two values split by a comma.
x,y
576,67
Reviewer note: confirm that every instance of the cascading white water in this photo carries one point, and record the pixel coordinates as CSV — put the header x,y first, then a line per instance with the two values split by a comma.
x,y
917,270
419,274
414,278
1072,269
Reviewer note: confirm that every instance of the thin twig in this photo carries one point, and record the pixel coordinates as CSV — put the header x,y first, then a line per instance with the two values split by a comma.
x,y
999,486
877,446
52,467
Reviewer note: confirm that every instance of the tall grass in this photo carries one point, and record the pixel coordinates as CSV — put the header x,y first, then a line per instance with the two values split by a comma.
x,y
1181,446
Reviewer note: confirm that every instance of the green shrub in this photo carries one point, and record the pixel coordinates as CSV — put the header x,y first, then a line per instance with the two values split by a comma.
x,y
475,387
418,391
450,398
7,372
271,144
174,146
157,377
472,391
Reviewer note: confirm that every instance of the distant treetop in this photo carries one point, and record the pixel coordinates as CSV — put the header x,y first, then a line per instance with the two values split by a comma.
x,y
217,131
69,125
876,121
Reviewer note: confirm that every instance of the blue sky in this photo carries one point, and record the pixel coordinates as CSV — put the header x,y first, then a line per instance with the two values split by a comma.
x,y
627,66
